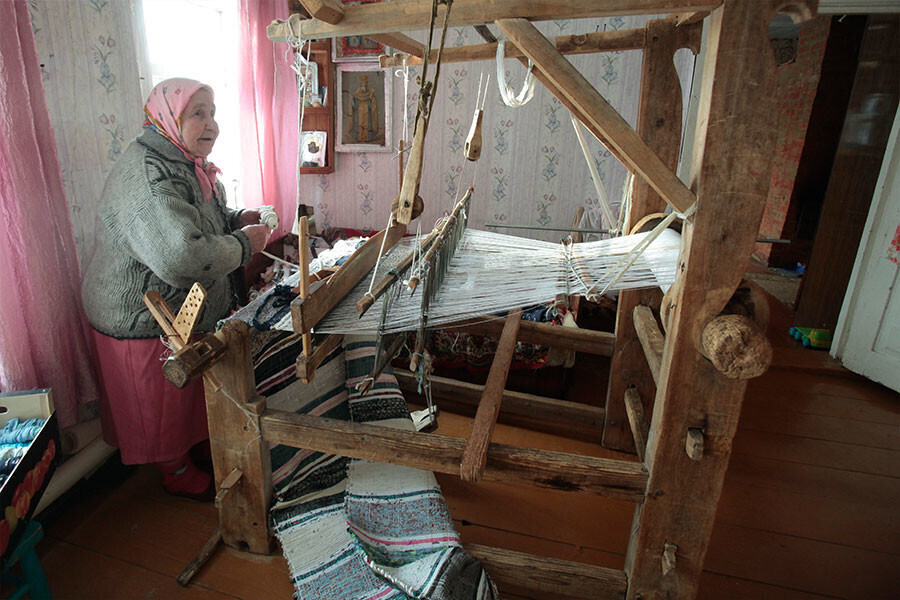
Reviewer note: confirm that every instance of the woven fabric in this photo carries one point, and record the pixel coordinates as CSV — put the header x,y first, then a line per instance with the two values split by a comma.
x,y
354,529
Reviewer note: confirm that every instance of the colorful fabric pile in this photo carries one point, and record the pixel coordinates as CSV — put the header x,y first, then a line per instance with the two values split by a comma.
x,y
352,529
15,438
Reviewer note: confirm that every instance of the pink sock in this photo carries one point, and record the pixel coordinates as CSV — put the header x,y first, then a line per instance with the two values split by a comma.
x,y
180,476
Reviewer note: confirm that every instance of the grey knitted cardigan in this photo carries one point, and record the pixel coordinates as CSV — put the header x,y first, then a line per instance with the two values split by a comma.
x,y
158,233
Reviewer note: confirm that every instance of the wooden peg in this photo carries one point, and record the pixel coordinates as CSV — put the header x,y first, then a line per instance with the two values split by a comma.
x,y
473,140
639,426
668,558
693,444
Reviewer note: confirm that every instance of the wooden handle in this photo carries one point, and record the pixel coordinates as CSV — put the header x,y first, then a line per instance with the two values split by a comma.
x,y
736,346
412,175
473,140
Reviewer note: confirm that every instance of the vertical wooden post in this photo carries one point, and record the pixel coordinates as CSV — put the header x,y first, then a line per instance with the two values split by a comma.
x,y
659,124
730,174
303,243
234,434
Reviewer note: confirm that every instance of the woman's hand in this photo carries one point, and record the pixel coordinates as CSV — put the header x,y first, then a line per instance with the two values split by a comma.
x,y
258,236
248,217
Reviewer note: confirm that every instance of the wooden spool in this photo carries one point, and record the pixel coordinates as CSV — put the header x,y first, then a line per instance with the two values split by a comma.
x,y
192,359
736,346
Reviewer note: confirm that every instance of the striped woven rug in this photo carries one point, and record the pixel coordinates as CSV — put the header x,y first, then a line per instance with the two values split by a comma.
x,y
352,529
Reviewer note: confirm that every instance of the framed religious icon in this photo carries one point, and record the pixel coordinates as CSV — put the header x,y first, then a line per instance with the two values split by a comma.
x,y
356,47
363,109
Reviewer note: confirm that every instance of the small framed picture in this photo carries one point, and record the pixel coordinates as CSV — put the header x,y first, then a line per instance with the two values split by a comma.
x,y
356,47
312,148
364,109
307,75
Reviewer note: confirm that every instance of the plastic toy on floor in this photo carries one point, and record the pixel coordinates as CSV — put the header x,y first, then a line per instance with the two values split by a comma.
x,y
812,338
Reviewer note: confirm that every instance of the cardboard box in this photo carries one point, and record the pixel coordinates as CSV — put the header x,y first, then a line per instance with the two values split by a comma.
x,y
22,490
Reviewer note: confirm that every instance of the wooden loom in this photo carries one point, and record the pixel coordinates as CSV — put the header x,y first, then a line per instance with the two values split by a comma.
x,y
693,377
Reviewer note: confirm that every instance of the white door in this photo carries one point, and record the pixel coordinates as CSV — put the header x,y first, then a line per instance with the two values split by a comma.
x,y
868,330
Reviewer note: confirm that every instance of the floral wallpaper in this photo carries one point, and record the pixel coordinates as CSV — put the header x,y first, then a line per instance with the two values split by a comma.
x,y
531,171
91,63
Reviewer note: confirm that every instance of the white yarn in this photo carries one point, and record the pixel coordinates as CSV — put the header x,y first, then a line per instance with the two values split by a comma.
x,y
527,92
268,216
491,272
602,197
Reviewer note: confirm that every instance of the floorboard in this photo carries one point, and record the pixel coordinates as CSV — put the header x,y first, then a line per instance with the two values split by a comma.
x,y
808,510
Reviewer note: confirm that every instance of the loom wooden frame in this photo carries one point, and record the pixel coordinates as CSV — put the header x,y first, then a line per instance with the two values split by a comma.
x,y
676,494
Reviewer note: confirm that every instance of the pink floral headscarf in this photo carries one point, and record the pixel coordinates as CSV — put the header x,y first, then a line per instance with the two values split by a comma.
x,y
163,111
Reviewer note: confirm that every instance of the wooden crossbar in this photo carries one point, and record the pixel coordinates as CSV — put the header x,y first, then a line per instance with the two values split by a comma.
x,y
542,468
401,42
588,341
618,133
575,419
601,41
475,455
325,295
554,577
404,15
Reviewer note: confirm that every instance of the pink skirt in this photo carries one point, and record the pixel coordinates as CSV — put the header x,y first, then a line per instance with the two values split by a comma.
x,y
143,414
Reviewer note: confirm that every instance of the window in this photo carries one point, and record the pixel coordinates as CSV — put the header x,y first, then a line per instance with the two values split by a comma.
x,y
198,39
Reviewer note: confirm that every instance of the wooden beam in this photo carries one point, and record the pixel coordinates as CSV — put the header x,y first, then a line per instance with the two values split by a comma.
x,y
578,420
404,15
689,18
401,42
564,338
474,457
601,41
553,577
651,338
627,143
510,464
233,413
736,138
640,429
327,11
307,365
658,124
324,295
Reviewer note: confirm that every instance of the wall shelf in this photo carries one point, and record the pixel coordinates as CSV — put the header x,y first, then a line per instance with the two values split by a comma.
x,y
321,118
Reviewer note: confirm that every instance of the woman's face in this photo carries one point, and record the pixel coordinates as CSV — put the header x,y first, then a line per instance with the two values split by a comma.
x,y
198,124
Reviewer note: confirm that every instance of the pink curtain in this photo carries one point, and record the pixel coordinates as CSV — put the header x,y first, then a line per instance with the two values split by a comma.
x,y
269,118
44,336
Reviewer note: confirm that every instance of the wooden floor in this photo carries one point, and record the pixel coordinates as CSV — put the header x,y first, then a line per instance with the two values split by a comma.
x,y
810,509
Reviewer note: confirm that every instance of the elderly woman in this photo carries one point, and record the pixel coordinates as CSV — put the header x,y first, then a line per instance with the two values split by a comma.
x,y
165,225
